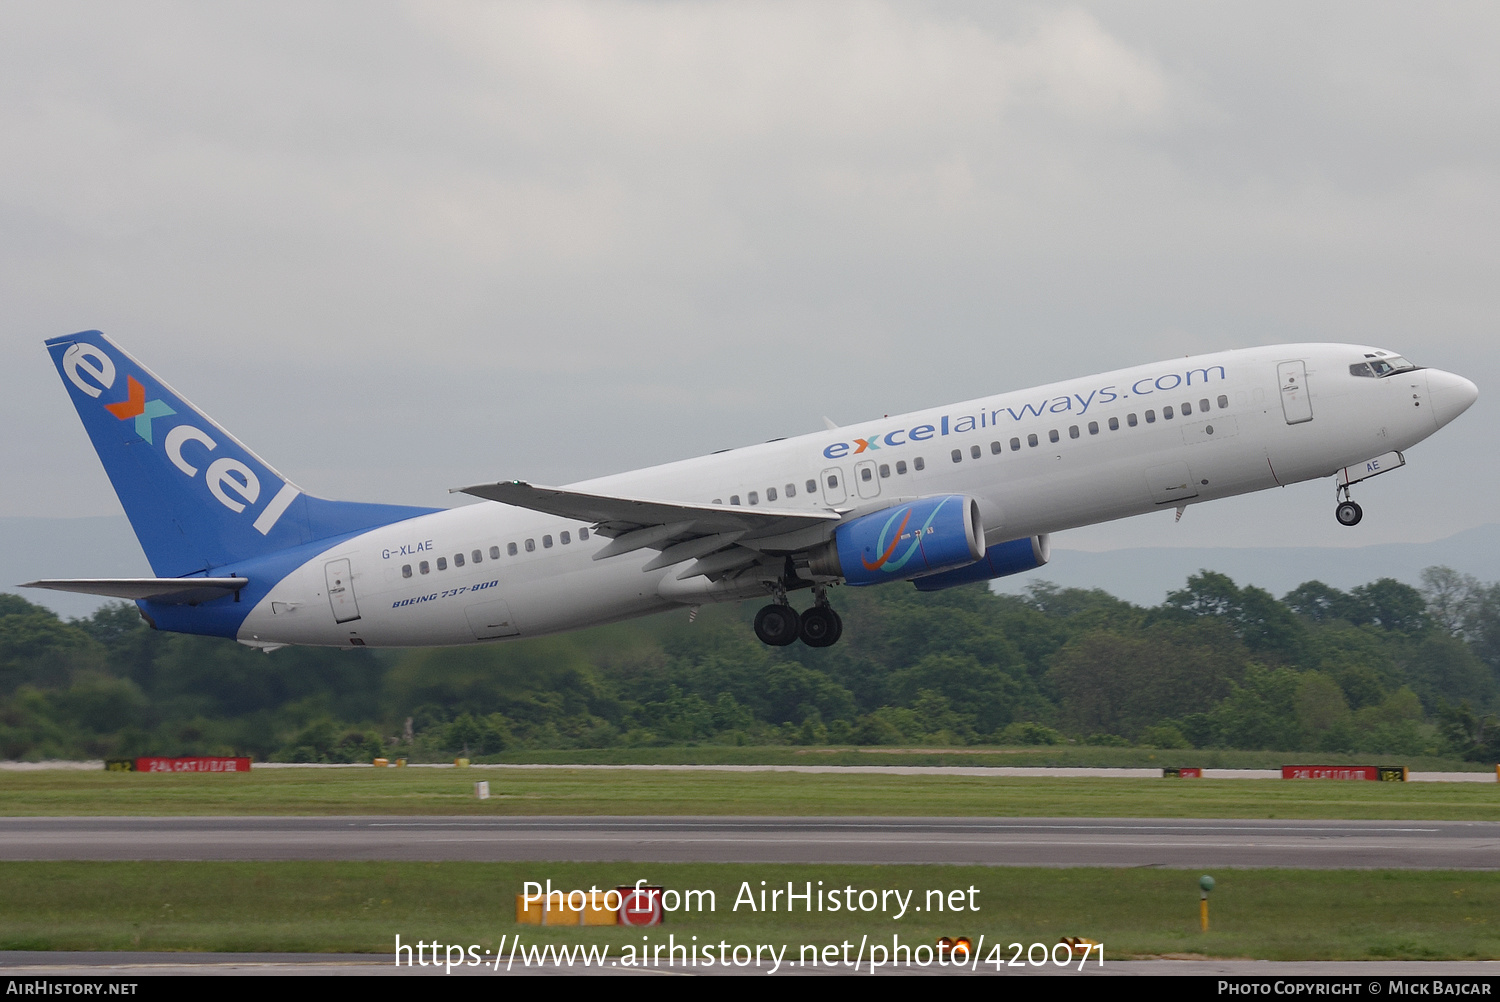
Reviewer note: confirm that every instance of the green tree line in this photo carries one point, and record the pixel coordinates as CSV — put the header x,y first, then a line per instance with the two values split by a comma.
x,y
1381,668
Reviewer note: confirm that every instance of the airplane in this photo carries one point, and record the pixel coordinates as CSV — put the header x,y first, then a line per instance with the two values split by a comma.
x,y
941,497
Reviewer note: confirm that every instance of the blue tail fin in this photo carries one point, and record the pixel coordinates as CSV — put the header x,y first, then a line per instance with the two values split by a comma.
x,y
196,497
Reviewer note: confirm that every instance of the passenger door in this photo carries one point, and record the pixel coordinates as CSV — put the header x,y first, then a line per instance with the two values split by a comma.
x,y
1296,403
341,591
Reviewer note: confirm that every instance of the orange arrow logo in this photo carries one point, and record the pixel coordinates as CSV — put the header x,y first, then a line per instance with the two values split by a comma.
x,y
132,406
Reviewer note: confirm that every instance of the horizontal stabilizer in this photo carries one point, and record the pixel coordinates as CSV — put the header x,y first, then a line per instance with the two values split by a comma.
x,y
169,591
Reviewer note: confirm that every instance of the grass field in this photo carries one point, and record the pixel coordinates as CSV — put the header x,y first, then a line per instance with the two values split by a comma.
x,y
625,792
361,907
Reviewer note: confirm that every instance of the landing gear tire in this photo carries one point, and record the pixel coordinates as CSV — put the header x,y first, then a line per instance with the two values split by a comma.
x,y
821,627
1348,513
777,625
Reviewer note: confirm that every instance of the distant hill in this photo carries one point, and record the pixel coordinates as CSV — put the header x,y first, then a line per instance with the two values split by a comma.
x,y
1144,576
32,548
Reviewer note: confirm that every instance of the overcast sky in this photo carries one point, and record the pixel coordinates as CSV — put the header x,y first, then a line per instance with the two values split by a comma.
x,y
398,248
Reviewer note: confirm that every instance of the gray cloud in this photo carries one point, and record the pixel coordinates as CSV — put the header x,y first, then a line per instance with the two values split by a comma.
x,y
403,247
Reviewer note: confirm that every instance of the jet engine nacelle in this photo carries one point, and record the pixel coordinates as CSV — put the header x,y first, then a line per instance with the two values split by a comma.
x,y
1000,560
904,541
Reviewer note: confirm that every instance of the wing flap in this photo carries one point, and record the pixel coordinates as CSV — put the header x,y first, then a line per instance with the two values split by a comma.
x,y
715,537
616,516
655,536
679,552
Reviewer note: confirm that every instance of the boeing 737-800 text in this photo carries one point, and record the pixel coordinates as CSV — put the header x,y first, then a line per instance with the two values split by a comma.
x,y
940,497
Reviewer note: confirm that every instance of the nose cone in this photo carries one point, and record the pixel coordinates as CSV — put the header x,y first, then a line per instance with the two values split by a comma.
x,y
1450,394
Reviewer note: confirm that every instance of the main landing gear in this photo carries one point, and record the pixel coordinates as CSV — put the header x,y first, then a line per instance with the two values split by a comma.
x,y
821,627
1347,512
778,623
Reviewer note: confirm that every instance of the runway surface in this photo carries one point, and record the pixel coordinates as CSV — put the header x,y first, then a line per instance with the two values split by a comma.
x,y
1468,845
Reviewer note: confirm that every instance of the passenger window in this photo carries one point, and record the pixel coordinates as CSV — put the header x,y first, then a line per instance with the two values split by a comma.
x,y
755,495
791,490
1130,420
958,455
812,487
495,552
833,480
1093,427
919,464
530,546
770,494
565,537
995,448
1031,440
1015,445
1072,431
900,467
1114,424
1166,412
422,567
1150,417
477,556
406,570
975,452
583,534
442,563
458,560
510,548
1187,408
718,500
734,499
547,542
1203,405
1223,402
885,470
1052,435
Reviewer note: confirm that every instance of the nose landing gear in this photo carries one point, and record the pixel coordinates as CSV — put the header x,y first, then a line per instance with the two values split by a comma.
x,y
1347,511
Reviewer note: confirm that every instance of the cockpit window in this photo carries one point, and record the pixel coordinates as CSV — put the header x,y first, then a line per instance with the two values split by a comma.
x,y
1381,367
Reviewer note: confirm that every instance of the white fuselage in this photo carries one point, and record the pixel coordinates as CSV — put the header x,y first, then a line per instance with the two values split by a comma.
x,y
1039,460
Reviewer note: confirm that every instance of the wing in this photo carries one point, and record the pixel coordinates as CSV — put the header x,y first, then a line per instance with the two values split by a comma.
x,y
719,539
173,591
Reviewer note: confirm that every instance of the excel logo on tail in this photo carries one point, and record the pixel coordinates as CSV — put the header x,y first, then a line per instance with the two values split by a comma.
x,y
137,406
233,483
